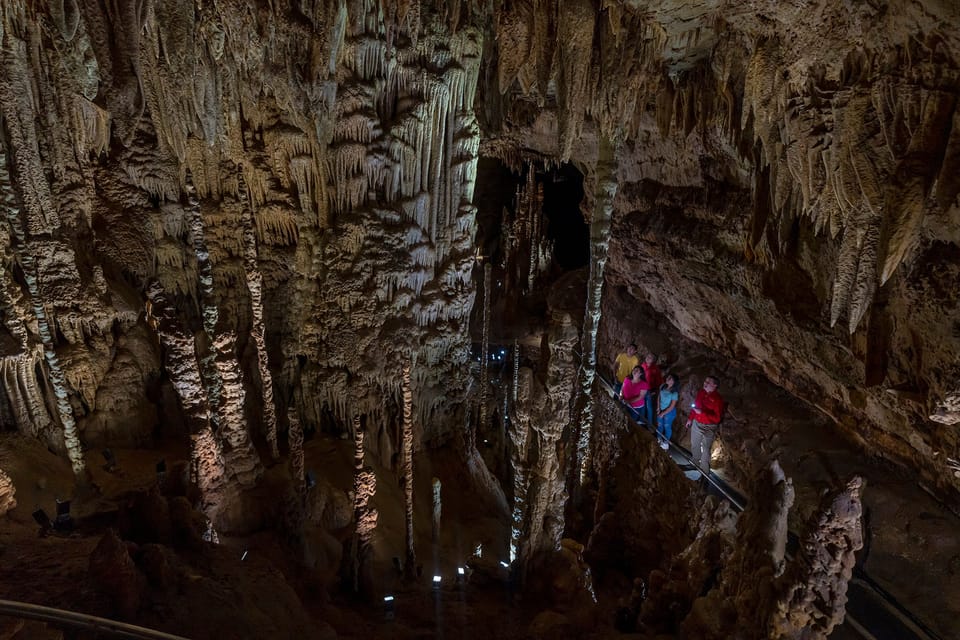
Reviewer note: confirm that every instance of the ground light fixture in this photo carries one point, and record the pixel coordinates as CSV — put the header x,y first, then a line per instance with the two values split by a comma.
x,y
436,582
388,608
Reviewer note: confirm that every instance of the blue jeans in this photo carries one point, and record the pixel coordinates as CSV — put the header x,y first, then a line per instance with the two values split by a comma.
x,y
649,404
637,413
665,425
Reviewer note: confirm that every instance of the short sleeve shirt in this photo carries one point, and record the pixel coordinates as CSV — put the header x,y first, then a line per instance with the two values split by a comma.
x,y
631,388
667,396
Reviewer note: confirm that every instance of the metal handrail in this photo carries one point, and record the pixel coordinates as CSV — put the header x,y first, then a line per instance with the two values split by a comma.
x,y
82,621
723,488
739,503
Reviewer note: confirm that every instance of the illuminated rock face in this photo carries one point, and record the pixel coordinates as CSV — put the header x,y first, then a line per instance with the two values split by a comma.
x,y
787,189
7,493
297,183
315,218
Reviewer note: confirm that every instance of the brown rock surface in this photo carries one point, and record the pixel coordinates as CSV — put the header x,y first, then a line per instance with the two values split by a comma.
x,y
231,227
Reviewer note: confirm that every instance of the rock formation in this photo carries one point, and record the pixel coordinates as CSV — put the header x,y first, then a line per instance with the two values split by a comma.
x,y
7,494
223,220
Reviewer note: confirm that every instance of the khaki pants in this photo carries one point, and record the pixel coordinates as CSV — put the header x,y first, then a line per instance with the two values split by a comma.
x,y
701,441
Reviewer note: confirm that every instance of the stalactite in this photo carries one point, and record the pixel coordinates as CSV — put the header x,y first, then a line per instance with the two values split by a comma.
x,y
484,352
600,219
255,287
533,198
411,558
24,252
575,32
206,454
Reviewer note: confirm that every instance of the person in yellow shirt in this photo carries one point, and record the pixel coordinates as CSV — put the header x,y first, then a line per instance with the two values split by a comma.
x,y
624,364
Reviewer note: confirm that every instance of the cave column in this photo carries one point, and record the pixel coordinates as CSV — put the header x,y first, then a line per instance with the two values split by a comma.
x,y
407,450
206,456
600,220
550,416
255,286
484,355
365,517
219,365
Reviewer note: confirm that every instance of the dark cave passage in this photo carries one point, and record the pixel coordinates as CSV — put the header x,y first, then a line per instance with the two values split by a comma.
x,y
562,195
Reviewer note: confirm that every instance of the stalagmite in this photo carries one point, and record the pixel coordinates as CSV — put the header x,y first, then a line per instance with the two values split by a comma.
x,y
437,510
550,415
220,368
407,451
255,287
519,434
211,375
364,516
484,352
516,369
814,593
295,443
606,189
206,455
24,252
242,460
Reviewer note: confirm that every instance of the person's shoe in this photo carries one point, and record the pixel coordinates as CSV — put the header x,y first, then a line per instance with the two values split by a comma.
x,y
664,445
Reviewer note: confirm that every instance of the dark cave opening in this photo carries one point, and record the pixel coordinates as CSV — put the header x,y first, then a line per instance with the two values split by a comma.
x,y
562,195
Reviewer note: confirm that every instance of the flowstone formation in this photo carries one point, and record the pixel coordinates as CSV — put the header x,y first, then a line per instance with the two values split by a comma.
x,y
229,227
287,191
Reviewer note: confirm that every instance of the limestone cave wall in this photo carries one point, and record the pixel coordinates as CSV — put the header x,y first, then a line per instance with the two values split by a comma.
x,y
787,188
294,182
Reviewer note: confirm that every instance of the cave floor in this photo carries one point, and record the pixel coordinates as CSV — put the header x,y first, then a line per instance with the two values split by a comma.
x,y
912,542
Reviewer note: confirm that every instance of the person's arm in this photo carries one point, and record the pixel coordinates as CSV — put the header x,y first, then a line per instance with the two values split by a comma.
x,y
670,407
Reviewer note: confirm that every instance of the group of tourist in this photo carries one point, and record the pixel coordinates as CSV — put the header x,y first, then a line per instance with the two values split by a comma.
x,y
646,391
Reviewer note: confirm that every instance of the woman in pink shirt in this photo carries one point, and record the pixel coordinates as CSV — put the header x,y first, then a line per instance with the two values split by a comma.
x,y
634,392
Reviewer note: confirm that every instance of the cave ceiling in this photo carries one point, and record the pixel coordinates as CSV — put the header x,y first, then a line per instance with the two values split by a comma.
x,y
288,186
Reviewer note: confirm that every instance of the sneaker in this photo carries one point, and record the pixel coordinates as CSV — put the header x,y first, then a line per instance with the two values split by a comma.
x,y
664,445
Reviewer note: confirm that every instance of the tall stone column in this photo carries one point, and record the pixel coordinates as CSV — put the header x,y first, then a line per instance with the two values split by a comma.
x,y
550,413
407,447
255,287
605,190
206,456
219,365
484,354
364,517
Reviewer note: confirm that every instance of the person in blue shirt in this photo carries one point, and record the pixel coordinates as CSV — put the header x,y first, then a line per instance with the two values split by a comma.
x,y
668,397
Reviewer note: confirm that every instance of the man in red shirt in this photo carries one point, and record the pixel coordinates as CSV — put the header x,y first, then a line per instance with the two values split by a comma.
x,y
705,418
654,378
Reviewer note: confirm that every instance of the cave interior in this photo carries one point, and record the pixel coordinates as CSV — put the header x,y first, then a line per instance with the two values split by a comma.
x,y
310,311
